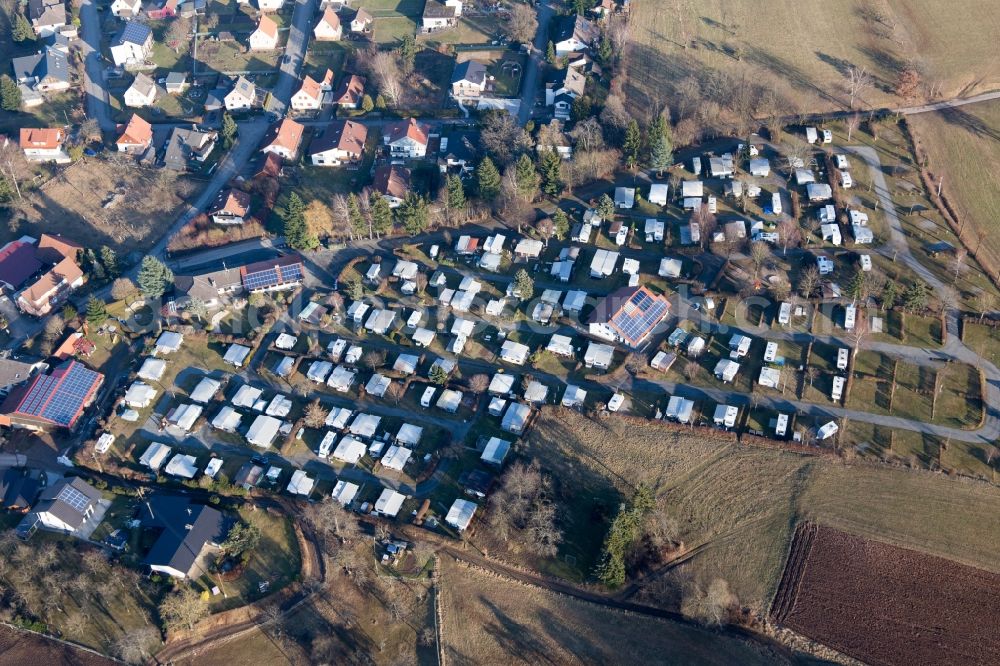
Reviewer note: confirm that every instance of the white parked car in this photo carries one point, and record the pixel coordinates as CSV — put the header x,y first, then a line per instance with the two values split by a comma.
x,y
827,136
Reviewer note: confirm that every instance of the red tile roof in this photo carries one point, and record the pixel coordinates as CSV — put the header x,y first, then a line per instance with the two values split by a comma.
x,y
137,132
49,137
411,128
351,90
268,26
232,201
287,135
392,180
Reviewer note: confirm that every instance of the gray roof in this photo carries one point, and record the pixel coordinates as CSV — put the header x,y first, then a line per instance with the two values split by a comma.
x,y
461,146
186,528
143,84
181,144
245,88
134,33
14,372
176,78
435,9
577,26
472,71
68,500
46,13
46,64
206,286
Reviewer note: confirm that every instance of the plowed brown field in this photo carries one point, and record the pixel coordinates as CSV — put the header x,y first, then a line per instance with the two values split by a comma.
x,y
887,605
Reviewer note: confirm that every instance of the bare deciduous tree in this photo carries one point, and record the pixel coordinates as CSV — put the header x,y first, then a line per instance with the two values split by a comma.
x,y
384,69
712,605
503,137
522,24
478,383
183,608
588,135
859,82
809,281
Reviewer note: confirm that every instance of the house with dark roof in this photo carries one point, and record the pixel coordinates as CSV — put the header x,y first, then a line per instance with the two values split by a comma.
x,y
286,272
566,86
186,146
392,182
342,142
45,71
66,505
574,33
132,45
18,263
457,152
56,400
19,489
629,315
440,15
469,80
187,535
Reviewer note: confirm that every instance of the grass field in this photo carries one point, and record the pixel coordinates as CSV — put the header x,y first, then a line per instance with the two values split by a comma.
x,y
73,204
487,620
742,504
803,54
963,146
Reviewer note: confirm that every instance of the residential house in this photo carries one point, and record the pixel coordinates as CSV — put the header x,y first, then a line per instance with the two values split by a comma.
x,y
14,373
407,138
350,92
185,534
329,28
45,71
468,79
132,45
265,37
230,207
362,21
284,140
312,93
629,315
53,286
461,512
567,85
342,142
137,136
440,15
19,489
47,16
141,93
281,273
164,11
457,152
243,95
393,183
67,505
574,33
56,400
186,146
126,8
44,144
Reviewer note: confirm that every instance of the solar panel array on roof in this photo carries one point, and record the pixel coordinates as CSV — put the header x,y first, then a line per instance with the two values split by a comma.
x,y
59,397
639,315
74,498
272,277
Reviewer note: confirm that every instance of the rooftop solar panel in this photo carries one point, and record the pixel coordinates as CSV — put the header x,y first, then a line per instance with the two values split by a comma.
x,y
59,397
74,498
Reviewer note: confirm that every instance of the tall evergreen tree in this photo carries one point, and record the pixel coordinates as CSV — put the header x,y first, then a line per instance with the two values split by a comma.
x,y
407,53
154,277
381,214
488,179
296,231
526,177
22,31
97,312
550,53
661,149
550,166
412,213
455,193
632,144
109,259
524,284
357,218
606,208
10,94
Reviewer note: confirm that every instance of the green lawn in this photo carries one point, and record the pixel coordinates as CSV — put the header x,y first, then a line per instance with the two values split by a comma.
x,y
232,57
390,30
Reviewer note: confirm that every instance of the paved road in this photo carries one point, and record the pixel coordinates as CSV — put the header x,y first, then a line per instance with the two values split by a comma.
x,y
295,51
529,87
948,104
98,105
